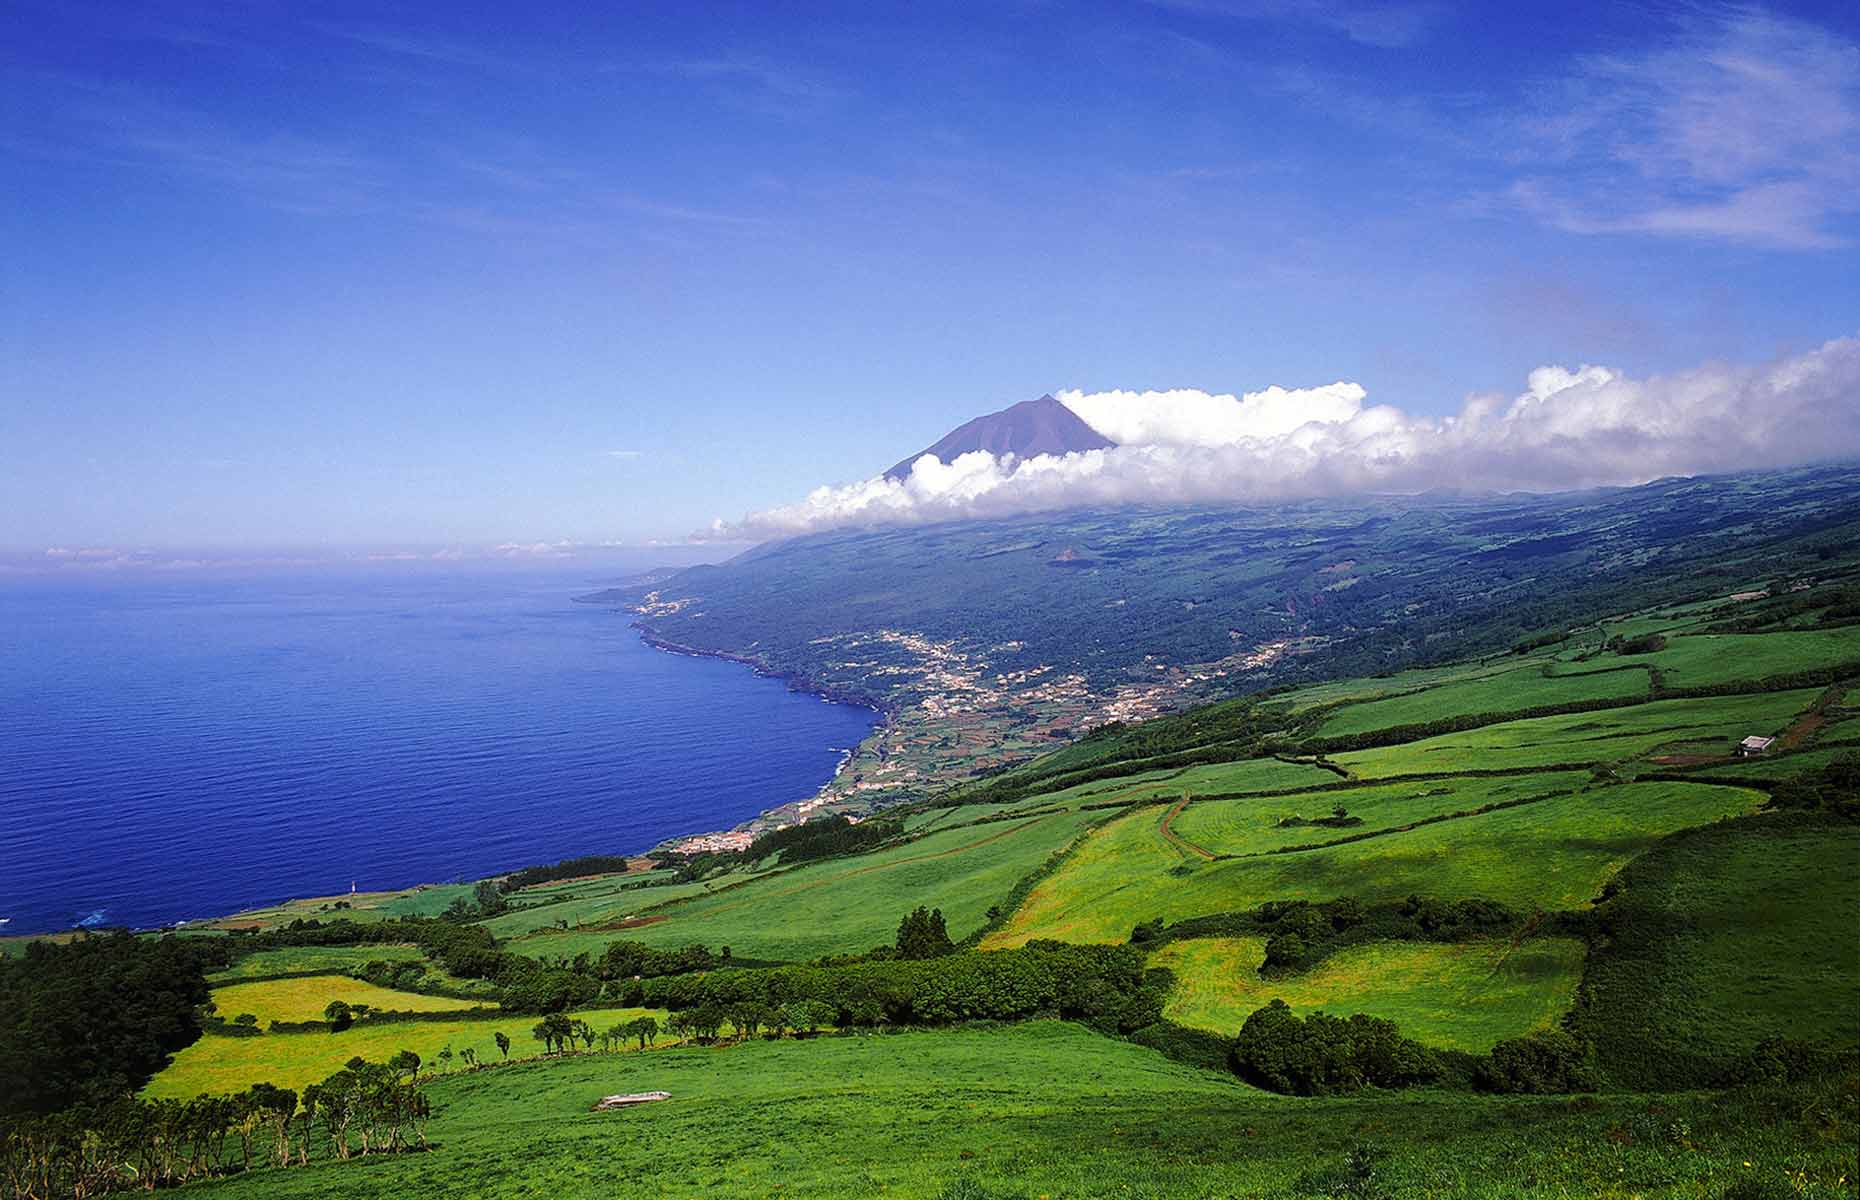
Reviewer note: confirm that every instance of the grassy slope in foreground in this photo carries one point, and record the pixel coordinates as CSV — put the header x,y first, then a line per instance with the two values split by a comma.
x,y
1460,997
232,1064
1038,1109
1722,937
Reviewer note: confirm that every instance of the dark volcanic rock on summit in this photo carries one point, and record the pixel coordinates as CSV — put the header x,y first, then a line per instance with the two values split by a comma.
x,y
1043,426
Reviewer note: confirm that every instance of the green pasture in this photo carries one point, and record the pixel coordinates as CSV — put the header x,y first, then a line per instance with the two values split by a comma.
x,y
286,960
1369,688
304,999
1499,692
595,908
1728,935
426,900
1039,1110
853,904
1782,766
1554,853
227,1064
1463,996
1713,724
1250,825
1703,659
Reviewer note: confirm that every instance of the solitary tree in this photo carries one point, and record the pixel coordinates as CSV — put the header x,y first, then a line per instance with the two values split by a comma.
x,y
406,1061
922,934
503,1043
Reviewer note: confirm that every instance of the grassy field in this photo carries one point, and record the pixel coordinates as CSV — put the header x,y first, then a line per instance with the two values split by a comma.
x,y
1040,1110
288,959
1510,691
852,904
1247,826
427,900
225,1064
1729,935
305,999
1611,736
1125,873
1461,997
599,903
1703,659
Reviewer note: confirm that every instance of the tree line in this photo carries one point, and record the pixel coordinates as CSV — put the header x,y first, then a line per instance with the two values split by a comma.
x,y
133,1144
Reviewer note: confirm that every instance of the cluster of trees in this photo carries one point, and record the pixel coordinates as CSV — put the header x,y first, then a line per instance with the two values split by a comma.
x,y
131,1144
1300,934
1834,788
1321,1054
1646,643
824,837
923,934
624,960
95,1018
1324,1055
1107,987
568,868
486,900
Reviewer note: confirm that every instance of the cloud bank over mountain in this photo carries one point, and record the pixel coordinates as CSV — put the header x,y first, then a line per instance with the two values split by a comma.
x,y
1586,427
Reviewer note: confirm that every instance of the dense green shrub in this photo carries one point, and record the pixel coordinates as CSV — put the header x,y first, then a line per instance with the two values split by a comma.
x,y
1548,1061
1321,1054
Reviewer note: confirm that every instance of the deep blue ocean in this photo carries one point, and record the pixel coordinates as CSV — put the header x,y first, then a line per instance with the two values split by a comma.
x,y
173,749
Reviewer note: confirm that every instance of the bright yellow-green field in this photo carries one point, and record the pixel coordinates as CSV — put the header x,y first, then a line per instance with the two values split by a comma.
x,y
305,999
226,1064
1124,874
1458,997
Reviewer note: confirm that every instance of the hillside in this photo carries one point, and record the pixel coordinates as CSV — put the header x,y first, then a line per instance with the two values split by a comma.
x,y
992,642
1543,871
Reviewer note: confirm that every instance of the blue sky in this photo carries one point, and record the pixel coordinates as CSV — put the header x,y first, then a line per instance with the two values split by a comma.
x,y
454,275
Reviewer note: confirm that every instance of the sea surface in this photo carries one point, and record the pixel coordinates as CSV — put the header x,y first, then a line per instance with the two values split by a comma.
x,y
172,749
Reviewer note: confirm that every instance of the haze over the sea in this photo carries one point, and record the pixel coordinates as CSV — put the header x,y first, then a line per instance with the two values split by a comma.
x,y
181,747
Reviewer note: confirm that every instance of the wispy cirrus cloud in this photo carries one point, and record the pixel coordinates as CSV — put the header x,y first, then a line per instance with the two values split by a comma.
x,y
1745,128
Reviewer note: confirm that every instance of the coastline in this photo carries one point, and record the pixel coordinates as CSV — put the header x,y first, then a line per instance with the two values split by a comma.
x,y
802,807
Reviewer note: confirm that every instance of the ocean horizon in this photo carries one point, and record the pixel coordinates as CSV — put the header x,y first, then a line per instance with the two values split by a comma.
x,y
183,748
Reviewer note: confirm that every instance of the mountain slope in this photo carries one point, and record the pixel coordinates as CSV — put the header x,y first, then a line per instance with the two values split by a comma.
x,y
1043,426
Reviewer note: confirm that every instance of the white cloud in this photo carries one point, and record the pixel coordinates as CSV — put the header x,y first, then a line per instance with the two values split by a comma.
x,y
1189,417
1585,427
624,455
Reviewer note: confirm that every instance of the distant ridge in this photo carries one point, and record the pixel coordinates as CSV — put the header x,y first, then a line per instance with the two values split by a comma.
x,y
1043,426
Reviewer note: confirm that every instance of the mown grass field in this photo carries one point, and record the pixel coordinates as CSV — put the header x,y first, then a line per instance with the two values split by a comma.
x,y
1463,996
305,999
1041,1109
1703,659
853,904
231,1064
598,903
1250,825
1126,873
1614,735
1499,692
